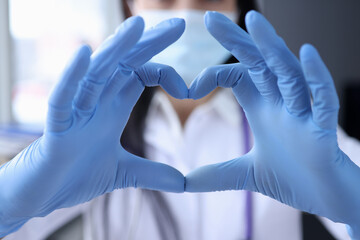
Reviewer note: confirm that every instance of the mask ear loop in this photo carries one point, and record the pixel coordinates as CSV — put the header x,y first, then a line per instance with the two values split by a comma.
x,y
249,197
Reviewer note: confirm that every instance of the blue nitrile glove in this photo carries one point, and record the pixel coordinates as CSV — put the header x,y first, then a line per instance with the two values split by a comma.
x,y
295,158
79,156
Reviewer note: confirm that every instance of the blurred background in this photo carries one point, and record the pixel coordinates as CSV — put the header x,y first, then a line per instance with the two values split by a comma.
x,y
38,37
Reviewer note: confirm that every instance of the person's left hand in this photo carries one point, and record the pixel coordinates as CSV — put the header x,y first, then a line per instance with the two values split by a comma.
x,y
296,158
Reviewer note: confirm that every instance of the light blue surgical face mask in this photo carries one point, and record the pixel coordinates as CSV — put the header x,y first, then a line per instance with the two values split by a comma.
x,y
195,50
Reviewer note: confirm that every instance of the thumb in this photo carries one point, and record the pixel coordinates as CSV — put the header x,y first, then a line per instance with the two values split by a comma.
x,y
236,174
139,172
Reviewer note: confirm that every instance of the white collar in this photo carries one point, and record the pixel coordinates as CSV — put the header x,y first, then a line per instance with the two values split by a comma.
x,y
223,103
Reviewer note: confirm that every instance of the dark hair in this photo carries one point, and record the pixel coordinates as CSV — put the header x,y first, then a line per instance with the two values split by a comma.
x,y
243,7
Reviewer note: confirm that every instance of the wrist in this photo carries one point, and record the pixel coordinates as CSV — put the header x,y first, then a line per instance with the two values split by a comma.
x,y
6,229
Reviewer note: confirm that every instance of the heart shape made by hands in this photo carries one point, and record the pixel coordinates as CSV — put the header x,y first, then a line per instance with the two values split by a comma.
x,y
295,153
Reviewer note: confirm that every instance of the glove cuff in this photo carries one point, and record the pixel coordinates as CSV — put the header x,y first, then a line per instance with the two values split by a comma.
x,y
10,228
353,231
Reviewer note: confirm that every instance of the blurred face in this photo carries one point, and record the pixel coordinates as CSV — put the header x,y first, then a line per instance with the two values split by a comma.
x,y
190,54
212,5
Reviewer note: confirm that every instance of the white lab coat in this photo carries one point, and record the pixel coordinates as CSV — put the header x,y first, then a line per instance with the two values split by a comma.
x,y
213,133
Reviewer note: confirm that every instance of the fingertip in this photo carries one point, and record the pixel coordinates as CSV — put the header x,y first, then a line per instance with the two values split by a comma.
x,y
147,174
182,90
178,22
207,18
208,178
154,40
256,23
132,26
198,180
176,182
62,95
308,52
178,88
133,21
225,31
214,15
230,175
307,46
176,27
86,49
193,90
84,53
80,61
211,15
169,179
203,84
310,59
173,83
213,19
252,15
181,24
325,105
172,22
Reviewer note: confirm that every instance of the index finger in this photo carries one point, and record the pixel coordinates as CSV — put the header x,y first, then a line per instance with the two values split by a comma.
x,y
239,43
281,62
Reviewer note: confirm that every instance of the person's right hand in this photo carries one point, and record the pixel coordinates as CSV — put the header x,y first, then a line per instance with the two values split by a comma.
x,y
296,158
79,157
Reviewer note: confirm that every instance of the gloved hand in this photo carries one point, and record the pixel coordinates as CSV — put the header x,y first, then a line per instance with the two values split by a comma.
x,y
295,158
79,157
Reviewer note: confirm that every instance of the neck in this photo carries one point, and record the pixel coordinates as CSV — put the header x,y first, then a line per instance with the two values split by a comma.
x,y
184,108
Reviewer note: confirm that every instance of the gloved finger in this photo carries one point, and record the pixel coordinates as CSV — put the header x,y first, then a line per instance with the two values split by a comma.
x,y
281,62
151,74
226,76
155,74
236,174
326,102
139,172
105,60
151,43
61,99
240,44
127,97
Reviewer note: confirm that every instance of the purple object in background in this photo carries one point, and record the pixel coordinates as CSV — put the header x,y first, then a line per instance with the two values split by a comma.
x,y
248,200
